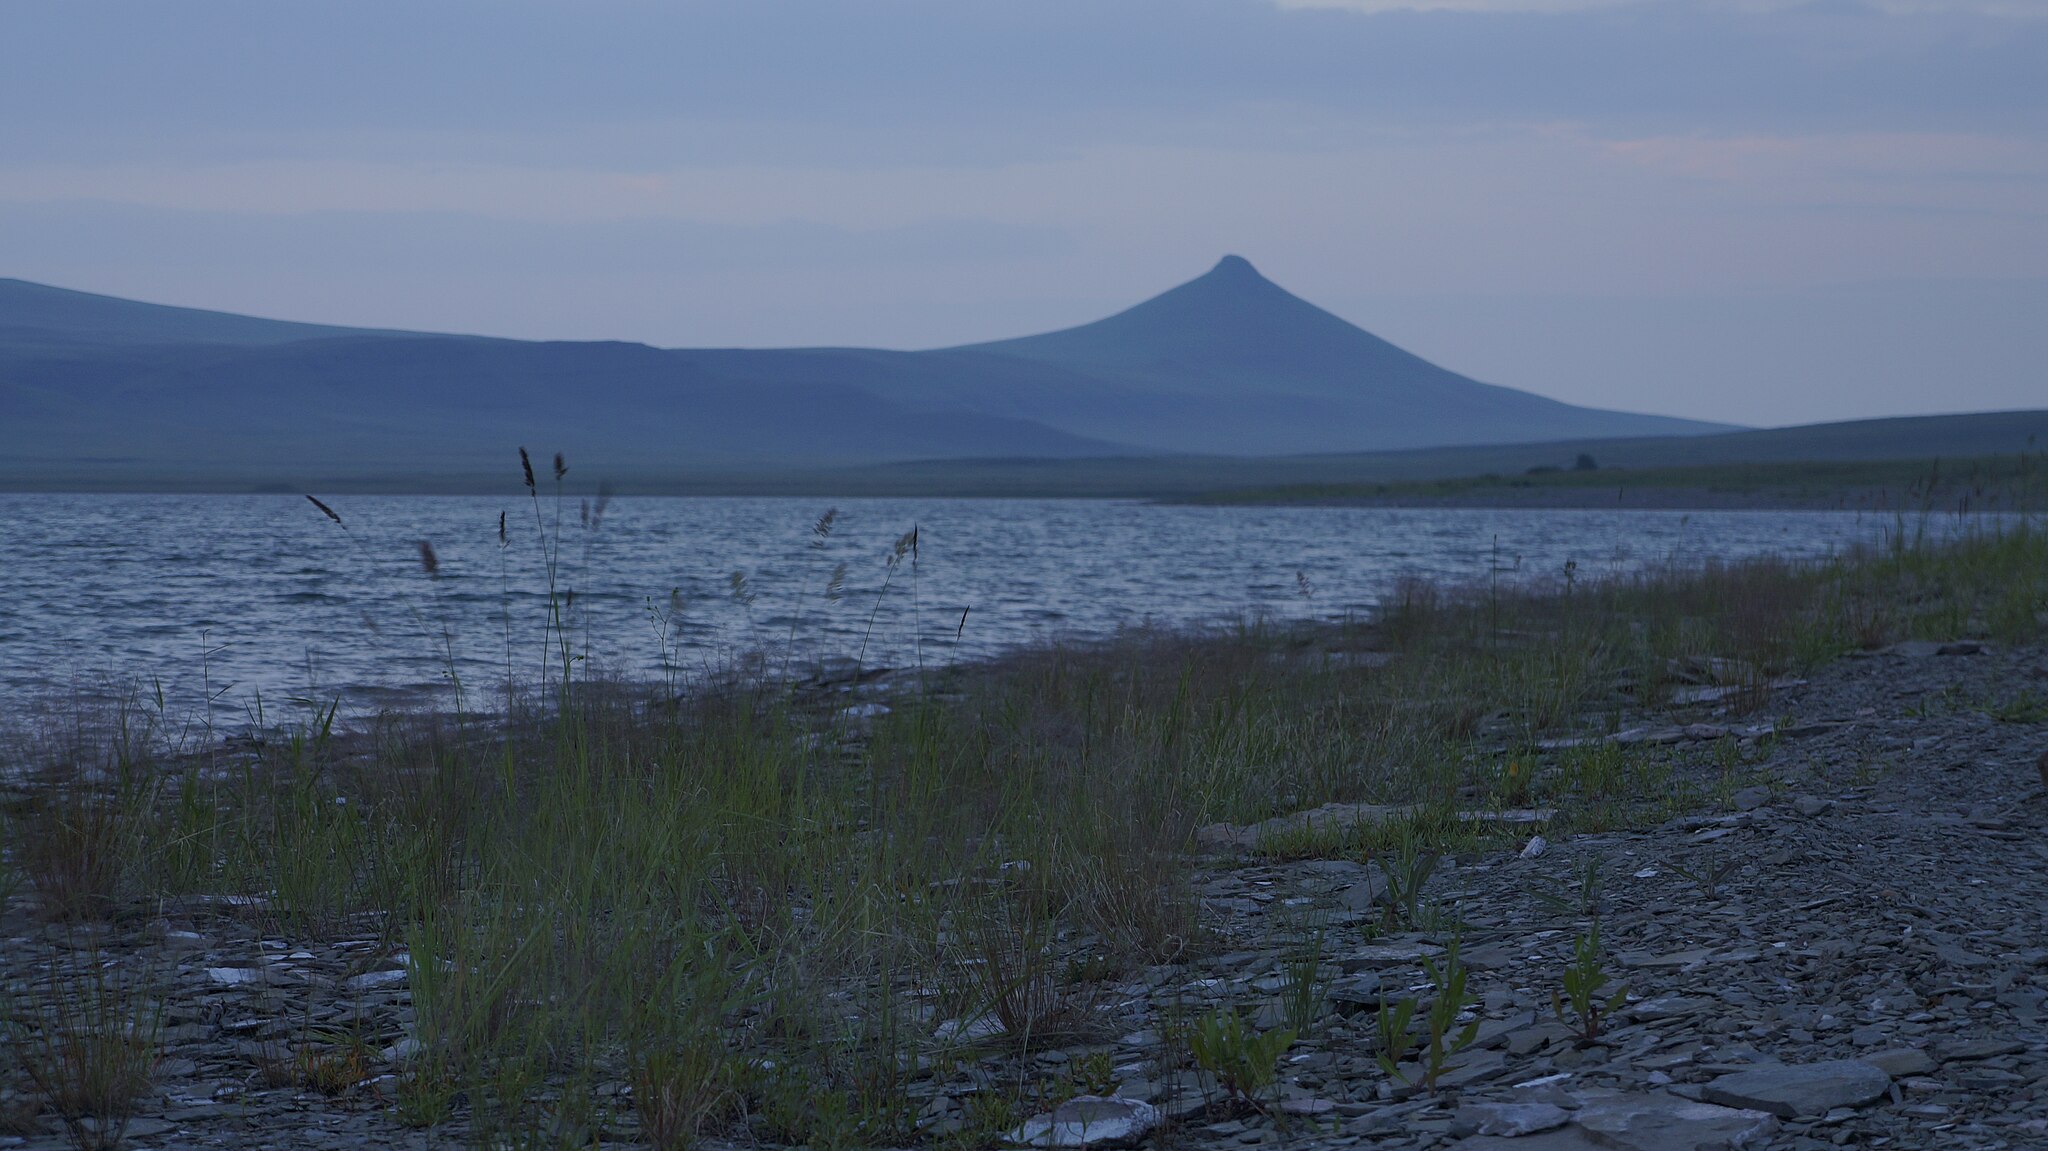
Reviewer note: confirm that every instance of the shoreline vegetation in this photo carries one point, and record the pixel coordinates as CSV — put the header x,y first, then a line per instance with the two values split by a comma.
x,y
2016,483
1818,465
807,915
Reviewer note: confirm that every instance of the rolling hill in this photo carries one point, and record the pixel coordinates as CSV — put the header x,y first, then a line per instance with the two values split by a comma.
x,y
101,391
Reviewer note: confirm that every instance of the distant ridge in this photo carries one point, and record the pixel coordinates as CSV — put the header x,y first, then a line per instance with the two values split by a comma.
x,y
1229,363
67,316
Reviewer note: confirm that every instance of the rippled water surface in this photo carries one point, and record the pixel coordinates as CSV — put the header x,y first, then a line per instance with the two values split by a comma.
x,y
235,595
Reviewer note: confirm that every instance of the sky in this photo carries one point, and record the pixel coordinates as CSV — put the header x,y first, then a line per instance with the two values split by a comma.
x,y
1757,211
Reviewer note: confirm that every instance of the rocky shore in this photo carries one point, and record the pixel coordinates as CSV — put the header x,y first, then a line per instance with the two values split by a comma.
x,y
1849,949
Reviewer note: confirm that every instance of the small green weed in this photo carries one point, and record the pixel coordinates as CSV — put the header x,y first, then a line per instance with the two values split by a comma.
x,y
2023,708
1585,897
1094,1073
1713,870
1406,871
1302,986
1441,1039
1244,1060
425,1094
1583,979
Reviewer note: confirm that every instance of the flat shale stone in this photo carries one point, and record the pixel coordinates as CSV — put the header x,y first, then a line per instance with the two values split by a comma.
x,y
1972,1049
1655,1122
1513,1119
1801,1090
1900,1062
1561,1139
1087,1121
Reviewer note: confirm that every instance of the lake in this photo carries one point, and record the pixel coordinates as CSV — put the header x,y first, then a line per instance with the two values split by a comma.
x,y
233,598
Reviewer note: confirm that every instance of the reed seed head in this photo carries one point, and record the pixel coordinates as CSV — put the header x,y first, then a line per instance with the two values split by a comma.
x,y
742,591
429,562
526,465
325,509
561,468
501,530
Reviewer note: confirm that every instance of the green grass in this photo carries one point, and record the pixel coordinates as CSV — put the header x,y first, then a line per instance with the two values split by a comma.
x,y
761,919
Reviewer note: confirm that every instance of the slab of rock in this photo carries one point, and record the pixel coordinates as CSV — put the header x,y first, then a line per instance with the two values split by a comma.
x,y
1365,895
1669,1007
1751,798
1923,648
1801,1090
1087,1121
1466,1068
1513,1119
372,980
1653,1122
1901,1062
1560,1139
1970,1049
1678,960
1400,953
1354,993
1330,817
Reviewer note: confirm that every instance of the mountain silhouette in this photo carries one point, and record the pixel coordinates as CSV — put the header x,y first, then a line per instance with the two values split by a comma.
x,y
1219,330
1252,368
1227,363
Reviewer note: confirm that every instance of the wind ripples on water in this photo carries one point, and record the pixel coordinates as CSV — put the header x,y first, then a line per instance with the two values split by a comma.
x,y
227,596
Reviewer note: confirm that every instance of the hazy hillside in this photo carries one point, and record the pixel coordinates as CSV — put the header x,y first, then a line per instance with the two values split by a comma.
x,y
37,314
106,390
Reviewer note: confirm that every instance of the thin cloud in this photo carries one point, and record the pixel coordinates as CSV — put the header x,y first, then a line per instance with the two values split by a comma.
x,y
2014,9
1378,6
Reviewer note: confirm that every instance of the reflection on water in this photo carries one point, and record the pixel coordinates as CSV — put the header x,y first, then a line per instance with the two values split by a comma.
x,y
232,595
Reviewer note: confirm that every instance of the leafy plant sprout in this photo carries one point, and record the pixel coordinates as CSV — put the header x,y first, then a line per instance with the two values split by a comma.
x,y
1242,1058
1713,870
1441,1038
1582,982
1406,871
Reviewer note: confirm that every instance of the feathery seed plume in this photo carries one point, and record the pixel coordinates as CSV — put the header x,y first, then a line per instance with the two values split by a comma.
x,y
561,468
324,508
429,562
526,465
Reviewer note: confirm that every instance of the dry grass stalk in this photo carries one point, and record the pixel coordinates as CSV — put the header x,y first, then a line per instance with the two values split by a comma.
x,y
88,1038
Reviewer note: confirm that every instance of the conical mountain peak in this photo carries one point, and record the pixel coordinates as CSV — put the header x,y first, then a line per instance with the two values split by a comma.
x,y
1229,315
1235,267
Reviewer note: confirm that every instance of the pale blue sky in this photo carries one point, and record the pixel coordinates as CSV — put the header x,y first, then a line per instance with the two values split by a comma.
x,y
1764,211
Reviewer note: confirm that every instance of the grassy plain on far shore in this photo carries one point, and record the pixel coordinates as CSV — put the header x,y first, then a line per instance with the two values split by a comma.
x,y
760,908
1914,486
